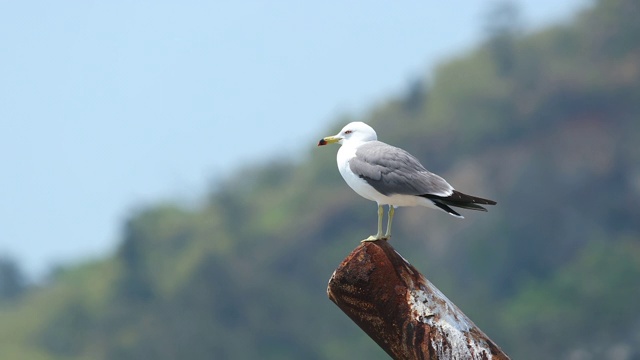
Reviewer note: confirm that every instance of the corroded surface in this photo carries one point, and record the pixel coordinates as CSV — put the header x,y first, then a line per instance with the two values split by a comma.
x,y
402,311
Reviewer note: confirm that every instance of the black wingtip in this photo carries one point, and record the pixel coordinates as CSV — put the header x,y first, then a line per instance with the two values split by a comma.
x,y
447,209
457,196
460,200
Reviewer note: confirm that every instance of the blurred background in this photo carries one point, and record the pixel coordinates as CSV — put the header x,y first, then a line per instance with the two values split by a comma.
x,y
162,195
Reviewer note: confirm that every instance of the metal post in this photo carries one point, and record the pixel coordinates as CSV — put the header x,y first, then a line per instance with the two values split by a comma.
x,y
402,311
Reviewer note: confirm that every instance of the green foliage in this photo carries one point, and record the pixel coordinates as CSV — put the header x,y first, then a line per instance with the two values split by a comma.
x,y
587,304
544,123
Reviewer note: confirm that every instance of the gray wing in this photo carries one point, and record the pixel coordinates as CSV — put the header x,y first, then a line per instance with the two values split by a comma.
x,y
391,170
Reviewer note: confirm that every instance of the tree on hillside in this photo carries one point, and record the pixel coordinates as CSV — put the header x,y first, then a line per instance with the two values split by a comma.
x,y
12,281
135,284
503,27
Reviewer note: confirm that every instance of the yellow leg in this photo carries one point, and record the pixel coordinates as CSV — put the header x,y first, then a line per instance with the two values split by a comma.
x,y
389,220
377,236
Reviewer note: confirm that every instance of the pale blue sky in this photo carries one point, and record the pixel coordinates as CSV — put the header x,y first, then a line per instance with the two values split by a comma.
x,y
108,105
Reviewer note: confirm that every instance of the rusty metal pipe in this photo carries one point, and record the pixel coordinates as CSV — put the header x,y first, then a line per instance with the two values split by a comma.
x,y
402,311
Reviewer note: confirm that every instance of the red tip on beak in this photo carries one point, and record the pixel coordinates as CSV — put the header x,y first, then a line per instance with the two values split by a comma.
x,y
322,142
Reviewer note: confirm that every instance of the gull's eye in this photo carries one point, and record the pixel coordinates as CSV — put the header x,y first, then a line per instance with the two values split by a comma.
x,y
348,132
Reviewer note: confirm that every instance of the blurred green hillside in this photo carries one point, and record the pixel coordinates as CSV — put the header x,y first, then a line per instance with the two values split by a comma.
x,y
547,124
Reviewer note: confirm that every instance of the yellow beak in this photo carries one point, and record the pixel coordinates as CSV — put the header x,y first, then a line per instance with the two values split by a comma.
x,y
328,140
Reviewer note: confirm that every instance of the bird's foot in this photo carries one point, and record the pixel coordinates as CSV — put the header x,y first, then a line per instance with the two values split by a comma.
x,y
375,238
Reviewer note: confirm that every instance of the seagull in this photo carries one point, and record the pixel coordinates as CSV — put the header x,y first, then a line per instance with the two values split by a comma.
x,y
391,176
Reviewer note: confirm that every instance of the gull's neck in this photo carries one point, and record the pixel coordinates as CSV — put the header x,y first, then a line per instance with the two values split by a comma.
x,y
355,143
